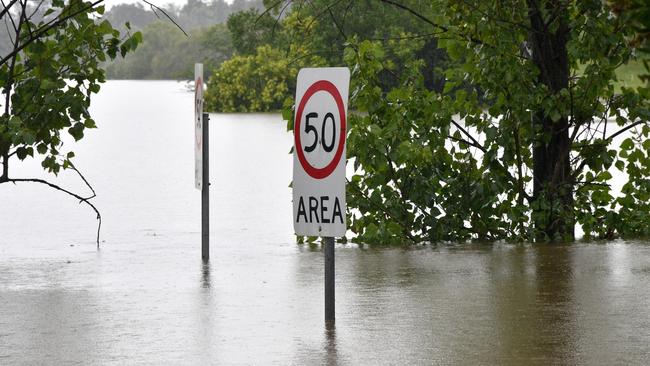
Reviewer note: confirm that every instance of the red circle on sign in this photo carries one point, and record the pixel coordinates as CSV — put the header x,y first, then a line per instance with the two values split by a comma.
x,y
320,173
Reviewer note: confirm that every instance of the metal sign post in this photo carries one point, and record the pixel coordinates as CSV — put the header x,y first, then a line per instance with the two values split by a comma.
x,y
328,249
319,162
205,191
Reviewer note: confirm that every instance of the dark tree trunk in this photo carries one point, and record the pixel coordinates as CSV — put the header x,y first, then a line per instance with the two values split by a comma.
x,y
552,183
433,58
5,167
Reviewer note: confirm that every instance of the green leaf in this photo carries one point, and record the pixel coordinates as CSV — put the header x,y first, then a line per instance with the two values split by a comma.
x,y
21,153
90,123
28,137
41,148
605,176
620,165
627,144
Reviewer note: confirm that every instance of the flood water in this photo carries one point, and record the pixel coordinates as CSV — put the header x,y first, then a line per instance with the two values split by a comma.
x,y
145,297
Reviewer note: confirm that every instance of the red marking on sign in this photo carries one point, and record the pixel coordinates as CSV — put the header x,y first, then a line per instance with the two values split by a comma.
x,y
320,173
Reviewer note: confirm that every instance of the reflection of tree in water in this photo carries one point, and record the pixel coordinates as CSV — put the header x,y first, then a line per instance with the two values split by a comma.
x,y
532,305
466,304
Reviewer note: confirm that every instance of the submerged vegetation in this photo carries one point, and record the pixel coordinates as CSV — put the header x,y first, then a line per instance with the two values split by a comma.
x,y
513,132
473,120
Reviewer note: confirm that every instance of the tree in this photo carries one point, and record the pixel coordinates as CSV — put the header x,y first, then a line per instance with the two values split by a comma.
x,y
637,14
49,74
134,14
305,36
190,16
520,142
249,30
165,53
340,22
255,83
264,80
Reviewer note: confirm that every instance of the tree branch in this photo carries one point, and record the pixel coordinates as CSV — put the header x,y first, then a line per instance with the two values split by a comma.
x,y
338,26
383,210
624,129
154,8
46,28
606,141
475,143
419,16
52,185
498,20
461,140
7,7
13,24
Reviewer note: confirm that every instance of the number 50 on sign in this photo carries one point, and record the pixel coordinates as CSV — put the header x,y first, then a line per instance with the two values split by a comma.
x,y
319,132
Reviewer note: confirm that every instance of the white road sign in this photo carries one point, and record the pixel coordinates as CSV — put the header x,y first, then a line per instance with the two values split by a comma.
x,y
198,126
319,151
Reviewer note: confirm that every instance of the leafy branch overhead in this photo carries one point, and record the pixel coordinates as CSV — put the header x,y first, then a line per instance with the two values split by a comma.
x,y
49,74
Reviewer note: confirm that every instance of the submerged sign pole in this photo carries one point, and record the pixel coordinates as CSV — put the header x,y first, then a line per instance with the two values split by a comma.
x,y
201,159
328,249
205,191
319,133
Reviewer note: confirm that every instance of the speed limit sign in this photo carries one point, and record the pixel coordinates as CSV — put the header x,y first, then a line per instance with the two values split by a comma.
x,y
198,126
319,151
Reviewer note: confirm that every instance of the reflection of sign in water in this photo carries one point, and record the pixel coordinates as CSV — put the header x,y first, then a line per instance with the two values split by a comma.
x,y
319,151
198,126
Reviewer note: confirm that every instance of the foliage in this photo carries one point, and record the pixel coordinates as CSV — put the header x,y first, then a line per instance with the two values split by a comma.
x,y
196,13
262,81
166,53
307,36
340,22
134,14
250,30
461,163
48,83
253,83
192,15
48,78
639,17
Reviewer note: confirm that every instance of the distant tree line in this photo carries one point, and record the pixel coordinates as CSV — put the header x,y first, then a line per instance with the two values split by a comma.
x,y
194,14
168,53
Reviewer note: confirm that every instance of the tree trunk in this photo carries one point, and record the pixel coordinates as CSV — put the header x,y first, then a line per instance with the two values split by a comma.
x,y
553,215
5,167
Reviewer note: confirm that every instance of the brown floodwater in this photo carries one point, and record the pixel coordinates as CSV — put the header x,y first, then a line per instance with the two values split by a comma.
x,y
146,298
